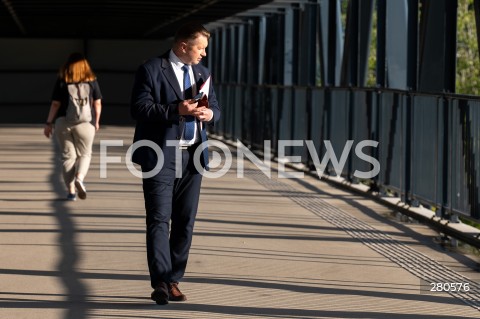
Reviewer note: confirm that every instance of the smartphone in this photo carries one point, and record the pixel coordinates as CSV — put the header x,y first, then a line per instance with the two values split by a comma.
x,y
199,96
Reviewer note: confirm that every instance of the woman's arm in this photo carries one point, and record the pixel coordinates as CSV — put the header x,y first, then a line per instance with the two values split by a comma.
x,y
97,107
48,129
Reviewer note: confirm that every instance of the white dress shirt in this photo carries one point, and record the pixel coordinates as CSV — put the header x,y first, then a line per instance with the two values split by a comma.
x,y
177,68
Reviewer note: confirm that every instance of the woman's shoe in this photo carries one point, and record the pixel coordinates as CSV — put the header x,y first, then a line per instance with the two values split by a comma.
x,y
82,191
72,197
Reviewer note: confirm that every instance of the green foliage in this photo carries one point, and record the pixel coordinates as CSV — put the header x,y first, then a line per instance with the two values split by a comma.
x,y
468,61
469,222
372,54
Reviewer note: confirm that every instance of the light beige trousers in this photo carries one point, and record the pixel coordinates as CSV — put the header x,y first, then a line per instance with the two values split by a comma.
x,y
76,143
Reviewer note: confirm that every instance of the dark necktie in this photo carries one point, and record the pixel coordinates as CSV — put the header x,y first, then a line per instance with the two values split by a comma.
x,y
189,120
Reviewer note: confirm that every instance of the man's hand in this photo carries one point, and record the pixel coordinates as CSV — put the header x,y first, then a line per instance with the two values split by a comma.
x,y
198,109
187,107
203,114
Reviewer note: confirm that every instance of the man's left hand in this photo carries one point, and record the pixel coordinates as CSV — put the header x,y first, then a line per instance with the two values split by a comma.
x,y
203,114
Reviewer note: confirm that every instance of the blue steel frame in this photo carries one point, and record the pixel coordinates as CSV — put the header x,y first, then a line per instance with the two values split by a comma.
x,y
291,74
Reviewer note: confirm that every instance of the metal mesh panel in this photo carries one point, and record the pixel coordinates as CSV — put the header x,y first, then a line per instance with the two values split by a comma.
x,y
424,158
391,140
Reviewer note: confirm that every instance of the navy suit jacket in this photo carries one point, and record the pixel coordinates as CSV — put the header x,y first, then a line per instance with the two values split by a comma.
x,y
154,105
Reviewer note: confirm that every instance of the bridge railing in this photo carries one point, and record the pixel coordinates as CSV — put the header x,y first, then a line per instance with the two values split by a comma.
x,y
428,144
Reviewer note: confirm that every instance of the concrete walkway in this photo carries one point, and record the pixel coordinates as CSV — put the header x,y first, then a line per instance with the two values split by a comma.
x,y
263,248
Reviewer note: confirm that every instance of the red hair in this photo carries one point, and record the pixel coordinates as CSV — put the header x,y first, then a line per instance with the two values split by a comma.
x,y
76,69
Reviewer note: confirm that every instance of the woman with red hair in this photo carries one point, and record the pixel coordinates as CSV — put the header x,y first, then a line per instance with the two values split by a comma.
x,y
75,94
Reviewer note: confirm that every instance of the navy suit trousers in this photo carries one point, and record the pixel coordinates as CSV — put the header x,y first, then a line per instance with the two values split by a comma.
x,y
171,207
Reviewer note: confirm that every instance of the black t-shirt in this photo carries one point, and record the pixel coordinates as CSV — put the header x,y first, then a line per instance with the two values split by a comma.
x,y
60,93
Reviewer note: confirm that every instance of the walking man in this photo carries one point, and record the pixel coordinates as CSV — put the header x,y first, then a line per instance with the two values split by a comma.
x,y
166,115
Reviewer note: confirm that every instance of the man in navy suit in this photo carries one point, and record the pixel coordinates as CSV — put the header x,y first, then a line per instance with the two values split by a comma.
x,y
166,115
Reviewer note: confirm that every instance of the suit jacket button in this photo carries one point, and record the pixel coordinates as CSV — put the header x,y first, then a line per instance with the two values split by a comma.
x,y
178,137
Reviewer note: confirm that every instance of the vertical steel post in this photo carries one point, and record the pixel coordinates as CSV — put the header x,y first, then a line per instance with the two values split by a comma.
x,y
381,41
438,46
412,44
451,8
332,42
350,53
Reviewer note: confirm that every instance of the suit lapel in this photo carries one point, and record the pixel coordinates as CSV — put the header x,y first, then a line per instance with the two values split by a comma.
x,y
169,74
199,76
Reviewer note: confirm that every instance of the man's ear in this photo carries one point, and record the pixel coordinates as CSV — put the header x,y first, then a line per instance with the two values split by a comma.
x,y
183,47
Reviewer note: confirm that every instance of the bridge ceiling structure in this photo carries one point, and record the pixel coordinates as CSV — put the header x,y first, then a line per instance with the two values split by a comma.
x,y
111,19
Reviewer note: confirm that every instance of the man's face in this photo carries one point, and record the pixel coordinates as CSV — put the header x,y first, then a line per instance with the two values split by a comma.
x,y
195,50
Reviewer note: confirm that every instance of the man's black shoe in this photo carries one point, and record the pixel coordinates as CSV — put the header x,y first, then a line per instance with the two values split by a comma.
x,y
160,294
